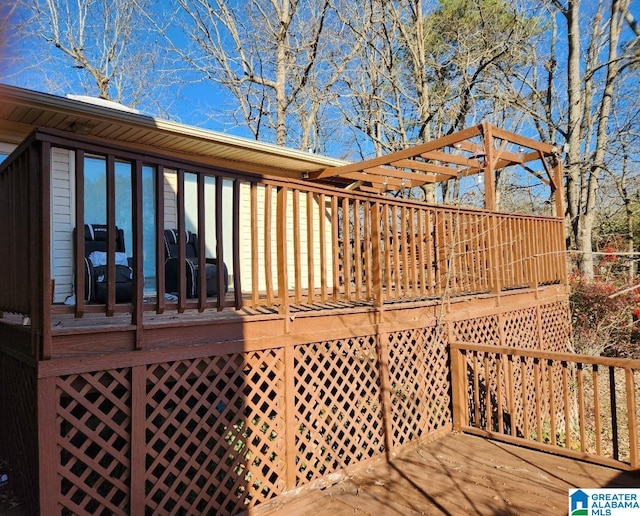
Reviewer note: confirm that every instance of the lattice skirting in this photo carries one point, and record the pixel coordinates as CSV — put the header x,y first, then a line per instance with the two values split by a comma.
x,y
219,434
18,427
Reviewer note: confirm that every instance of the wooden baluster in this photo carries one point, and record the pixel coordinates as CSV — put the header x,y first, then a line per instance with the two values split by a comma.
x,y
476,390
297,265
525,397
596,408
268,260
357,251
614,413
581,411
567,406
311,251
537,365
488,397
552,403
632,417
500,393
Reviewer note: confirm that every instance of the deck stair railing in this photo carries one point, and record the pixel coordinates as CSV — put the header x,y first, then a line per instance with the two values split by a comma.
x,y
579,406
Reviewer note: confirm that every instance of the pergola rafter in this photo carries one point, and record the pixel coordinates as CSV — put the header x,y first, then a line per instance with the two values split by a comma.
x,y
480,149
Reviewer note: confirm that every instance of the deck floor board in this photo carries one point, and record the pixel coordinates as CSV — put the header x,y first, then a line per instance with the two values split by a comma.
x,y
457,474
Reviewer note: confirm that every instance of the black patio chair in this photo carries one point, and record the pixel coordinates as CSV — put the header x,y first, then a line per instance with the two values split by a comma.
x,y
191,265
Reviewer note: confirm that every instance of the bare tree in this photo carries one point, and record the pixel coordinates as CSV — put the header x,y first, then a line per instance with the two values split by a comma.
x,y
598,64
107,43
272,56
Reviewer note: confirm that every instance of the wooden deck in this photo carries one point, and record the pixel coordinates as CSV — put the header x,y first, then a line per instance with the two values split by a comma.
x,y
457,474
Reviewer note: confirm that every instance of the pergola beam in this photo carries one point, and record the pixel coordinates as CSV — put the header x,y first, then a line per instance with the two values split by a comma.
x,y
481,149
406,153
425,167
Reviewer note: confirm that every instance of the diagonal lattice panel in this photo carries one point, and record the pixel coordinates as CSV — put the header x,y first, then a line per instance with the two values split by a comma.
x,y
556,329
483,330
18,427
521,328
337,399
215,433
94,424
419,381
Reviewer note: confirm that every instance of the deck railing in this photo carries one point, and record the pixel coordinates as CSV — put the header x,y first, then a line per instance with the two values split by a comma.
x,y
574,405
284,241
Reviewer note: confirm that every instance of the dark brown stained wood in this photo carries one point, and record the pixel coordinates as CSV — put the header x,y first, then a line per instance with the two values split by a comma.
x,y
137,290
138,440
160,250
78,245
219,245
111,236
41,260
47,445
202,244
182,275
456,474
237,281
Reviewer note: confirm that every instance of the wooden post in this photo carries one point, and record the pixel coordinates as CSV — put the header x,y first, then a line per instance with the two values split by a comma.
x,y
489,170
47,446
458,388
160,250
138,439
495,261
558,190
111,235
382,340
79,274
41,261
290,417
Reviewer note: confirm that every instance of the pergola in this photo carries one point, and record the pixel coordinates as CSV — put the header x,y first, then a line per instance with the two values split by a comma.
x,y
480,149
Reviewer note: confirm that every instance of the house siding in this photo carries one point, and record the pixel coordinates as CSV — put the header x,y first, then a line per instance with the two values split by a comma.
x,y
62,223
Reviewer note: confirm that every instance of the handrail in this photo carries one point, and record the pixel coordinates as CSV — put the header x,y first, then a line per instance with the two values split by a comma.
x,y
576,405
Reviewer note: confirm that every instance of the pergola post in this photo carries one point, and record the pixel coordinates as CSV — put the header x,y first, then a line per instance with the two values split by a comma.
x,y
489,170
559,191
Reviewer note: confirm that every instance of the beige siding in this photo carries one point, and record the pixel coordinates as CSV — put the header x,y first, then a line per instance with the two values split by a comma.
x,y
63,222
170,205
304,237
